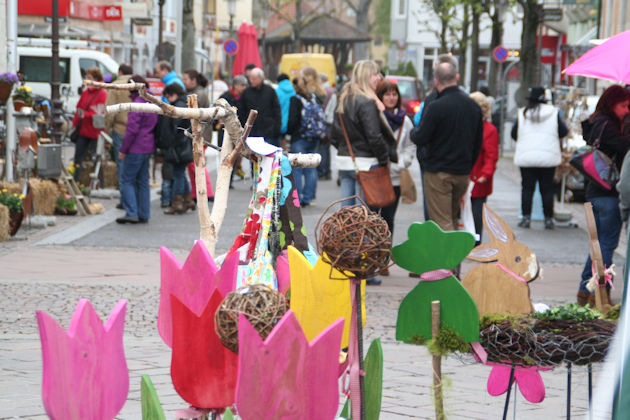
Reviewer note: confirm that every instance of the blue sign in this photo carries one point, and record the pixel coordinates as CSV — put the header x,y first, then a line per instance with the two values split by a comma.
x,y
230,46
500,54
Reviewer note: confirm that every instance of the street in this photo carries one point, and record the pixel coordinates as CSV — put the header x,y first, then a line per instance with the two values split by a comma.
x,y
95,258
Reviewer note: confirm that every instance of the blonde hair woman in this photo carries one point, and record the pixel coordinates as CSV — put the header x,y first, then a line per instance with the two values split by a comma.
x,y
483,170
313,83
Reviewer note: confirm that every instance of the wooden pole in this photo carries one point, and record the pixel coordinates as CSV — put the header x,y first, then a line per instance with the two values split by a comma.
x,y
437,362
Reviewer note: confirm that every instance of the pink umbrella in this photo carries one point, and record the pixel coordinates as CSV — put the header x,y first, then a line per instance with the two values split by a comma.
x,y
610,60
247,49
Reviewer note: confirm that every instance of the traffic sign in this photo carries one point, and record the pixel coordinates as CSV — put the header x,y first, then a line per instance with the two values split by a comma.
x,y
552,15
500,54
230,46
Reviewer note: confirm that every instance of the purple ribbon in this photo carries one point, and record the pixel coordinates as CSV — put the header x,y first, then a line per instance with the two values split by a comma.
x,y
435,275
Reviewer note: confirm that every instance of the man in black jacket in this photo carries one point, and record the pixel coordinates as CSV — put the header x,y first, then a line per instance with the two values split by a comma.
x,y
450,133
263,99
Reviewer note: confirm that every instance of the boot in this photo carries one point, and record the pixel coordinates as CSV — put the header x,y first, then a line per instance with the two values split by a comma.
x,y
178,205
189,202
549,223
524,223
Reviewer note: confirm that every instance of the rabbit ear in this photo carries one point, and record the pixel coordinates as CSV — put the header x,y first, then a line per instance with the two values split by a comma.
x,y
484,253
496,227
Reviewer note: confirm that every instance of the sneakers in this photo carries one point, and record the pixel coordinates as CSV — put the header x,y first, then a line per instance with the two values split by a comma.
x,y
525,222
549,223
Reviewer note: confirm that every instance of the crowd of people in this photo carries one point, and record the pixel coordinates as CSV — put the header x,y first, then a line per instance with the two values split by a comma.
x,y
452,137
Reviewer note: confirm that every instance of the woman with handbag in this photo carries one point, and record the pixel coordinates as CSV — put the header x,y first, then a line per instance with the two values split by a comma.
x,y
483,170
603,129
136,150
401,125
177,150
82,122
360,132
537,131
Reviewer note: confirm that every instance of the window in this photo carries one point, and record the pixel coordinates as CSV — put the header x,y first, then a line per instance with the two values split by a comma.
x,y
38,69
87,63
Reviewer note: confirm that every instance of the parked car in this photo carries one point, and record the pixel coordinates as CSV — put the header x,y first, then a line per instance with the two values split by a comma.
x,y
34,62
411,92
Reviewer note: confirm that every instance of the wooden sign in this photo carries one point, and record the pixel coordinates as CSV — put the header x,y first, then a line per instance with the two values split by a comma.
x,y
151,407
317,300
192,283
429,248
501,284
286,377
203,370
85,374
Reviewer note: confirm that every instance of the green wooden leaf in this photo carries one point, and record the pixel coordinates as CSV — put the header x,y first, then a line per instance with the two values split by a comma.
x,y
151,407
457,310
430,248
373,383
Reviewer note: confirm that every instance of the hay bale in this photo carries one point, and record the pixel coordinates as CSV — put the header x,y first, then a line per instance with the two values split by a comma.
x,y
96,208
110,175
87,167
4,223
12,187
45,194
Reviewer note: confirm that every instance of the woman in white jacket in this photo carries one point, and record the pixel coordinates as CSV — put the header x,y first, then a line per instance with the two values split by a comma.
x,y
401,125
537,132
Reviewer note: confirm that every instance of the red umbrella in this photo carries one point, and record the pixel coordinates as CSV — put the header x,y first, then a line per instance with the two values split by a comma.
x,y
247,49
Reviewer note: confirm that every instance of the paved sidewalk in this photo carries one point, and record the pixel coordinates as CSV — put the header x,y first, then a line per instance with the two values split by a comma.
x,y
103,267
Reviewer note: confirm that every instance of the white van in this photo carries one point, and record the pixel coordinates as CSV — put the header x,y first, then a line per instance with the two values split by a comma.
x,y
34,62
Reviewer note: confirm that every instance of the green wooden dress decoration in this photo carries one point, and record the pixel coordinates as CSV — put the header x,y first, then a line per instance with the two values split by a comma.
x,y
151,407
373,366
430,252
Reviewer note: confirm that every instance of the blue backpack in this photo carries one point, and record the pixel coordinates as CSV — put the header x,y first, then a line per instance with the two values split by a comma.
x,y
313,122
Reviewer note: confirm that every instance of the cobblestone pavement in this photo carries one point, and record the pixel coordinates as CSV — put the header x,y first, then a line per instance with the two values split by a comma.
x,y
99,267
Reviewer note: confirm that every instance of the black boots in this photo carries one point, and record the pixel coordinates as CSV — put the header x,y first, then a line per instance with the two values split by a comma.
x,y
525,222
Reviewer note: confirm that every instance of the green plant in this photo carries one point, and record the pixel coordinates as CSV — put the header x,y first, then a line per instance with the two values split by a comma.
x,y
572,311
447,341
12,201
66,203
23,93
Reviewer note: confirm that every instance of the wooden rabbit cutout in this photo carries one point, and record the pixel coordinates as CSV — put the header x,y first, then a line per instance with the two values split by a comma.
x,y
500,285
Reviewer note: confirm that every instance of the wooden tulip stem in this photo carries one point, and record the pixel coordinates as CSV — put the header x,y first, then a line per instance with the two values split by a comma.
x,y
437,362
601,298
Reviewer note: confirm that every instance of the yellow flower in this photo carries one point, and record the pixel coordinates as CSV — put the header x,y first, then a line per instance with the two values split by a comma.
x,y
28,89
22,197
4,190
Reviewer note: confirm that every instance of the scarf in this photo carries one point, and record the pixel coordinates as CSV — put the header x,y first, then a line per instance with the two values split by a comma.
x,y
395,120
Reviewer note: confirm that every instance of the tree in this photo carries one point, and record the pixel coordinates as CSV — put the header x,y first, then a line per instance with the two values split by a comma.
x,y
361,11
299,21
495,10
529,65
189,60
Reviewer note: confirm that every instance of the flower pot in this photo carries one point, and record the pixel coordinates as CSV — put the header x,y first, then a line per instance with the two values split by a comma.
x,y
5,91
65,212
18,105
15,221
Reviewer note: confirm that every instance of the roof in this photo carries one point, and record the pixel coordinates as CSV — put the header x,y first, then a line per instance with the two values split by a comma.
x,y
319,29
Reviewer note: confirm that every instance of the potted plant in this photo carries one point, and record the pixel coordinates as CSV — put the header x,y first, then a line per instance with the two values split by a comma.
x,y
66,205
7,80
23,96
16,209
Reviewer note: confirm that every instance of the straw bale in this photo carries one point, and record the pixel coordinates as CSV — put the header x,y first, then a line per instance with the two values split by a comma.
x,y
45,194
4,223
96,208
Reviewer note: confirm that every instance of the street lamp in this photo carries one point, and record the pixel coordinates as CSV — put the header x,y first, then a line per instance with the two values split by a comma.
x,y
231,4
161,18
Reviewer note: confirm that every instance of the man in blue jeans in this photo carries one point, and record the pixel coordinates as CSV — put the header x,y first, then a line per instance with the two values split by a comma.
x,y
116,124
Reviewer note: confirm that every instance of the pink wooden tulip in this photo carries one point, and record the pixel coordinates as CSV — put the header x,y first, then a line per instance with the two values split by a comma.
x,y
286,377
192,283
85,374
203,370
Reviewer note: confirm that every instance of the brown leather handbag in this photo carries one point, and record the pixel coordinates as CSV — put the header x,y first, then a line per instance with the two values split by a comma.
x,y
376,183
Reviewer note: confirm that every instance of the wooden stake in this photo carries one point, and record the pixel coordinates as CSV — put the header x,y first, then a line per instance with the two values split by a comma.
x,y
437,362
601,298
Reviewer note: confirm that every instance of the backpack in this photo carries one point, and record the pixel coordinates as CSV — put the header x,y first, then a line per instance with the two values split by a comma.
x,y
313,120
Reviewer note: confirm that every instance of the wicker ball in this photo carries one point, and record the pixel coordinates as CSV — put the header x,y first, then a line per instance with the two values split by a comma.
x,y
262,306
355,239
